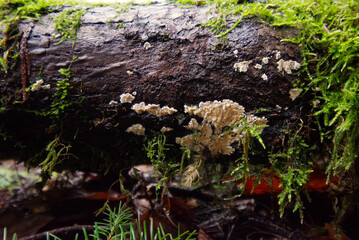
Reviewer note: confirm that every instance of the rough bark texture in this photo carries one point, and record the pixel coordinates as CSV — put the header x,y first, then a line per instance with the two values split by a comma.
x,y
184,65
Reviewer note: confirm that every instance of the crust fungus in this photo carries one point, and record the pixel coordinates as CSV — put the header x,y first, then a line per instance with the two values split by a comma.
x,y
166,129
112,103
153,109
265,60
294,93
137,129
241,66
288,66
192,125
127,98
220,113
264,77
38,86
211,134
147,45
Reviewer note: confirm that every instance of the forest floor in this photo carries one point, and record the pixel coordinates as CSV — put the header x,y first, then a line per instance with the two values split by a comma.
x,y
69,202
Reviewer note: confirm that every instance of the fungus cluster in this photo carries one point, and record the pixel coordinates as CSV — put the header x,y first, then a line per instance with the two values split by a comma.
x,y
221,126
288,66
153,109
294,93
166,129
127,97
38,86
241,66
137,129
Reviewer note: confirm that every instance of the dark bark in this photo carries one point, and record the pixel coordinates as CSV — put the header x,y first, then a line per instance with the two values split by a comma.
x,y
184,65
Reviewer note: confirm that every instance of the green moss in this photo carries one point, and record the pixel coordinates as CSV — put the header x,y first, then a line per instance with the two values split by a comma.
x,y
329,40
67,23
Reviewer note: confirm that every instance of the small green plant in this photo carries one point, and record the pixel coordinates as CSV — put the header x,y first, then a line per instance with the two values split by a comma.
x,y
4,234
119,224
293,167
68,23
248,133
61,101
156,148
56,153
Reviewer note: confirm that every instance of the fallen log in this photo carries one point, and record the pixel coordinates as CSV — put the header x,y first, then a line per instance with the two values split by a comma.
x,y
158,54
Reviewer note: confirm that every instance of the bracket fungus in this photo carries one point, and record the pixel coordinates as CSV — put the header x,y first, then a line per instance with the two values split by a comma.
x,y
137,129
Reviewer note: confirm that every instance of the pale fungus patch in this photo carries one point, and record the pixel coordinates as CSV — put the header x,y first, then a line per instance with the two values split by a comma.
x,y
139,107
130,73
241,66
265,60
166,110
264,77
190,109
112,103
222,144
294,93
235,52
220,113
126,98
153,109
192,125
288,66
38,86
166,129
258,66
277,55
212,134
137,129
147,45
186,141
256,121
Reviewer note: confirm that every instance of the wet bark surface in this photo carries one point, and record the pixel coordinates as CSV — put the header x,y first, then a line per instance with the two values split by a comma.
x,y
185,64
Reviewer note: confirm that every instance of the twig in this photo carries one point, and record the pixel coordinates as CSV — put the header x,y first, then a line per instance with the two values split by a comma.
x,y
25,60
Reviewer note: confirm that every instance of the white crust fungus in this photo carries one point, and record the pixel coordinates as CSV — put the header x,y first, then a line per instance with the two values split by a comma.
x,y
113,102
258,66
294,93
193,124
210,134
137,129
220,113
153,109
277,55
126,98
265,60
256,121
264,77
190,109
241,66
38,86
235,52
147,45
166,110
139,107
129,73
166,129
288,66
